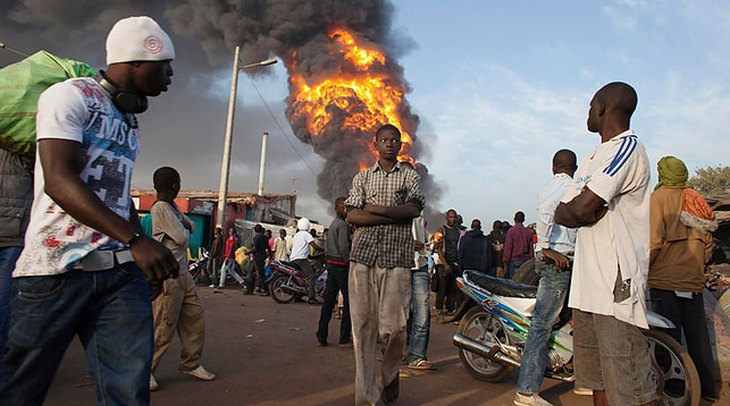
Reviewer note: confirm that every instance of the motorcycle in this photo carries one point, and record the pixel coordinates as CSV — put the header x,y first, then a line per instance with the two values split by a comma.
x,y
491,338
287,282
195,268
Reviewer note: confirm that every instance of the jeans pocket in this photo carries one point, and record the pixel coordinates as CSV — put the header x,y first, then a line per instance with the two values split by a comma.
x,y
40,287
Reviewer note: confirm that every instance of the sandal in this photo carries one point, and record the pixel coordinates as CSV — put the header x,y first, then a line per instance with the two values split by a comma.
x,y
421,365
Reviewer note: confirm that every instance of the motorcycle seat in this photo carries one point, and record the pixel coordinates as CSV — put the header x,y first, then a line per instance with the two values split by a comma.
x,y
291,264
500,286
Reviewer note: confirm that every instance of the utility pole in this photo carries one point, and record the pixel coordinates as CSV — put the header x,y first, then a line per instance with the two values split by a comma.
x,y
226,161
262,166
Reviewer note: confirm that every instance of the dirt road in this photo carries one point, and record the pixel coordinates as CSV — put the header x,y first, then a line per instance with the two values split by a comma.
x,y
266,354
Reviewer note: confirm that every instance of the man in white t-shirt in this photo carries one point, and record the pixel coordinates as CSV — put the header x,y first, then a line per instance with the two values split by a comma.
x,y
77,273
609,202
300,255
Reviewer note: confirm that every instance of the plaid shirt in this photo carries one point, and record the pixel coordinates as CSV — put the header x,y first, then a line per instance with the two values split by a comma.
x,y
388,245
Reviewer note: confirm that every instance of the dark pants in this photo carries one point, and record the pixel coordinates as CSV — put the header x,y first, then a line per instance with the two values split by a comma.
x,y
513,268
256,278
111,313
214,265
689,317
447,296
336,281
308,270
8,257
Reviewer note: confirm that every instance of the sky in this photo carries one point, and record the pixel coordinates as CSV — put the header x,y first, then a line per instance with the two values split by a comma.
x,y
498,86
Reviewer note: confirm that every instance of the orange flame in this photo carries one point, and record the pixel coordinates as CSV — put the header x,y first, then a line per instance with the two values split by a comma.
x,y
365,92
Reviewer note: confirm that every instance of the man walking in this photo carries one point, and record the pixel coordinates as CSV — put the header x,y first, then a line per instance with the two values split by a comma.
x,y
518,246
229,261
301,243
554,263
609,202
337,252
178,307
80,270
681,244
382,203
476,251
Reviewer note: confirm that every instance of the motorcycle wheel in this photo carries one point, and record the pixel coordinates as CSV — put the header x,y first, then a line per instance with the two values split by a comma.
x,y
280,295
475,323
673,372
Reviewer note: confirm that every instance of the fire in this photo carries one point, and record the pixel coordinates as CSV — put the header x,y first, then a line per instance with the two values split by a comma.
x,y
362,58
363,90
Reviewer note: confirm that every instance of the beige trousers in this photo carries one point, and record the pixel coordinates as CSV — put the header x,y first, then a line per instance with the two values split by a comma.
x,y
379,302
178,308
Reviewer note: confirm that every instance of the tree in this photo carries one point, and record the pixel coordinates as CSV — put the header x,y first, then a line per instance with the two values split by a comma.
x,y
710,181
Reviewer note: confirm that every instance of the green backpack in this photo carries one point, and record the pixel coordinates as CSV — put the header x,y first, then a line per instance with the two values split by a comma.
x,y
20,86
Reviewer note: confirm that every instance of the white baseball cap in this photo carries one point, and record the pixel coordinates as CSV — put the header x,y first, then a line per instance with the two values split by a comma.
x,y
138,39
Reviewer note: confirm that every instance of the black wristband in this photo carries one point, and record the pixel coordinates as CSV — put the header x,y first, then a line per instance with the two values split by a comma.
x,y
134,239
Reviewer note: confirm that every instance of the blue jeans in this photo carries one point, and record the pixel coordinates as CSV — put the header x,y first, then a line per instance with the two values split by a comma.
x,y
111,313
551,293
8,257
513,267
419,320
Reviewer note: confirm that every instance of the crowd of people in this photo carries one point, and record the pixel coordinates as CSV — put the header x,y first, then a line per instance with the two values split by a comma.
x,y
87,269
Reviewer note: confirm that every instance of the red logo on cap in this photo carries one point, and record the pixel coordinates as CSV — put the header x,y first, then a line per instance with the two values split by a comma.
x,y
153,44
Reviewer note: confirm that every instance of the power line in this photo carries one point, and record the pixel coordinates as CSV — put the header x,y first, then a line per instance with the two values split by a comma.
x,y
273,117
15,51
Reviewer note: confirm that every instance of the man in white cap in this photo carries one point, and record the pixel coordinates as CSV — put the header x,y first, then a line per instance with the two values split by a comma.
x,y
85,260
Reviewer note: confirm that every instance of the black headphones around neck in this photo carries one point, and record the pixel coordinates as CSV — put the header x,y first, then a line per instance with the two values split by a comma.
x,y
126,100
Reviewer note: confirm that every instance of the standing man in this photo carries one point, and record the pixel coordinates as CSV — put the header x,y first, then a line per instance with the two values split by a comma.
x,y
16,198
80,270
281,251
216,255
609,202
301,243
557,247
449,255
518,246
178,307
681,244
261,251
337,252
382,203
419,320
496,238
475,250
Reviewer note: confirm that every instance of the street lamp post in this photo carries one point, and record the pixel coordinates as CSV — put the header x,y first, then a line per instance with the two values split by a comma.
x,y
226,161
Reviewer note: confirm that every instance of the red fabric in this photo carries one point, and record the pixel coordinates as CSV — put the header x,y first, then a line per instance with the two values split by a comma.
x,y
518,245
231,248
693,203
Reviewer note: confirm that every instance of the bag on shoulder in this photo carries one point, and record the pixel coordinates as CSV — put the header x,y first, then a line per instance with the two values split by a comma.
x,y
21,84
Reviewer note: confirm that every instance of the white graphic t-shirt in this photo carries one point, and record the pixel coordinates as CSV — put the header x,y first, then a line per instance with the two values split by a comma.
x,y
618,172
79,110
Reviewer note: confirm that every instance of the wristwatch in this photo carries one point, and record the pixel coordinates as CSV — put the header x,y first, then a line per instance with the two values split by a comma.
x,y
134,239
